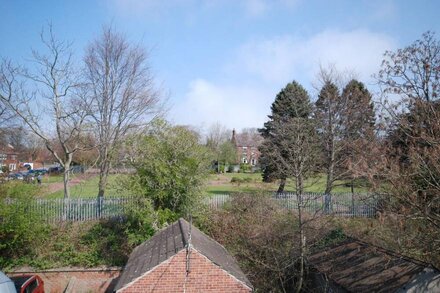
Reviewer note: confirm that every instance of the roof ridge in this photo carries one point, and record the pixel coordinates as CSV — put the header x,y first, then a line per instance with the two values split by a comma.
x,y
182,231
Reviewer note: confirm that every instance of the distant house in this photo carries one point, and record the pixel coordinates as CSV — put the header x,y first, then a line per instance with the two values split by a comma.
x,y
9,158
181,258
247,145
355,266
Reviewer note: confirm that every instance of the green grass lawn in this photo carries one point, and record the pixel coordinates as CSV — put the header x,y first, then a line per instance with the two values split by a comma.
x,y
221,184
217,184
89,188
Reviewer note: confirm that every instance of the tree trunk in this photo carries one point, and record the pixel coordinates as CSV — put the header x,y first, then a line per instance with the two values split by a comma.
x,y
299,199
282,185
330,174
66,190
66,181
103,176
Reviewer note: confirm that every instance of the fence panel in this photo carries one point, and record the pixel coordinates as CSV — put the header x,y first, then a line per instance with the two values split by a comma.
x,y
339,204
79,209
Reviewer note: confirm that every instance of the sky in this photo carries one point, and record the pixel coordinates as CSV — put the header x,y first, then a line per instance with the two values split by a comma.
x,y
225,60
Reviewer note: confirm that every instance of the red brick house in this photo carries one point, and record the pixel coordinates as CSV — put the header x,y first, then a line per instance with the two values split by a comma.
x,y
247,144
9,158
181,258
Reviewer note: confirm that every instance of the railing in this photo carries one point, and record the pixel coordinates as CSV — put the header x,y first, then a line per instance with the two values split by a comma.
x,y
80,209
340,204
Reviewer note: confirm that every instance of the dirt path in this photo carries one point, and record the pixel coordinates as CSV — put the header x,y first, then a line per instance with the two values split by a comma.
x,y
78,179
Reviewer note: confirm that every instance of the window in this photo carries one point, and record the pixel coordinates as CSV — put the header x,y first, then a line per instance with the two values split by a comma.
x,y
253,162
12,167
31,286
244,160
13,157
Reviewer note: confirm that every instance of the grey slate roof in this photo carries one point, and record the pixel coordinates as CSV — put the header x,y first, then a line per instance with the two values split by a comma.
x,y
169,242
356,266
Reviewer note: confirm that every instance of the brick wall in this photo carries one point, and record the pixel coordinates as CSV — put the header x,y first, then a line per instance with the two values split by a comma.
x,y
89,280
169,276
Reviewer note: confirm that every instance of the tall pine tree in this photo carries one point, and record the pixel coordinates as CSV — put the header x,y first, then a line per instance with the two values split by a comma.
x,y
359,121
293,101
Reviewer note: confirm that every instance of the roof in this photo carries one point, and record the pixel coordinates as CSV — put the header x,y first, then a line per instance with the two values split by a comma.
x,y
248,140
357,266
167,243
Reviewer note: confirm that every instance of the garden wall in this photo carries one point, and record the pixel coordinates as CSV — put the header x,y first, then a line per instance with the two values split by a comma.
x,y
76,279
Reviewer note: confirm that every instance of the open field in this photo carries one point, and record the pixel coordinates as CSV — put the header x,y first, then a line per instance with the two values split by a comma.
x,y
89,188
216,184
252,182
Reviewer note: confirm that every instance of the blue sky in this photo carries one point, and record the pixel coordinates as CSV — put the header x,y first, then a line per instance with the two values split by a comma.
x,y
225,60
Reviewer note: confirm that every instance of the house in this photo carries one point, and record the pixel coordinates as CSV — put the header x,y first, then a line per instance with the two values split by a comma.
x,y
246,144
180,258
355,266
9,158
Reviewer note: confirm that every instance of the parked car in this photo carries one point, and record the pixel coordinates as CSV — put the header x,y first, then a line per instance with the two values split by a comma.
x,y
28,284
55,170
36,172
16,176
21,284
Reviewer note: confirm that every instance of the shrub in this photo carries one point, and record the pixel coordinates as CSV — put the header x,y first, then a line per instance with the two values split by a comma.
x,y
236,180
262,236
21,230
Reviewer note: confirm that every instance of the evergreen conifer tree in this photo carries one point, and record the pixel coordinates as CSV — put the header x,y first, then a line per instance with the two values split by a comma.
x,y
293,101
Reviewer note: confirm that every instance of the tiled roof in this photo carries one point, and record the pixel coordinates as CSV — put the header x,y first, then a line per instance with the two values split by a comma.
x,y
248,140
359,267
169,242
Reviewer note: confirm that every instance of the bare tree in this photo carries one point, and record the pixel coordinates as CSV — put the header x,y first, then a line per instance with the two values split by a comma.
x,y
122,92
218,140
345,123
410,163
414,71
54,108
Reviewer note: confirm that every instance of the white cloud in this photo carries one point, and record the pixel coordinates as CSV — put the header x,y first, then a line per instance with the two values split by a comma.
x,y
278,58
255,7
233,106
261,68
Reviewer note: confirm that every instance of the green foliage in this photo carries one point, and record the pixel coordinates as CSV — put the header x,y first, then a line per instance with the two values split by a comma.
x,y
291,102
245,168
227,153
21,230
18,189
139,222
333,237
241,179
171,167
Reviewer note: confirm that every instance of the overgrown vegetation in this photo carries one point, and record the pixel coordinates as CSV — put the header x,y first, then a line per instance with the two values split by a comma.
x,y
264,238
21,231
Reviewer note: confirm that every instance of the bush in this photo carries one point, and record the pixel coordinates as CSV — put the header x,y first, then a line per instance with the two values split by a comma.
x,y
171,167
262,236
245,168
236,180
21,230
